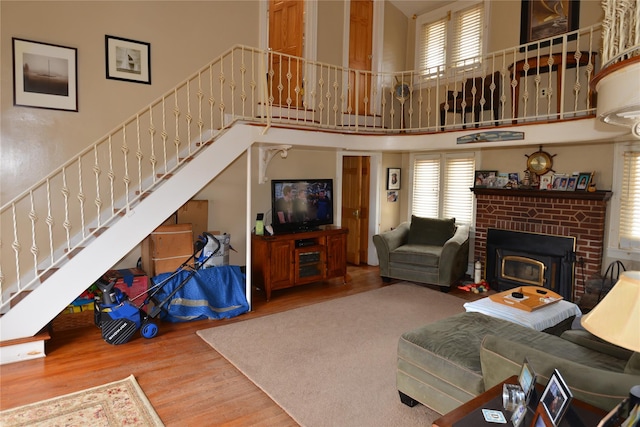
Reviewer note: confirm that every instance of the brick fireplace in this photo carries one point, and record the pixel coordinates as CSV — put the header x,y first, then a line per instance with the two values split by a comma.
x,y
576,214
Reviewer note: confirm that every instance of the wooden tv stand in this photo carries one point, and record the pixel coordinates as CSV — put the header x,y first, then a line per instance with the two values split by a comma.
x,y
286,260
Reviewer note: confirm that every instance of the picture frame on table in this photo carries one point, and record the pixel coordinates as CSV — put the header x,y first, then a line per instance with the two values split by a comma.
x,y
571,183
45,75
584,178
540,21
393,178
127,60
555,399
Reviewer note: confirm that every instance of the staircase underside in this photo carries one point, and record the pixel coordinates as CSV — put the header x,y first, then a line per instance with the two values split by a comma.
x,y
111,244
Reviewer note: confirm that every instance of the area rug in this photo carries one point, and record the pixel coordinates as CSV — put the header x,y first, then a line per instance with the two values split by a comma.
x,y
120,403
334,363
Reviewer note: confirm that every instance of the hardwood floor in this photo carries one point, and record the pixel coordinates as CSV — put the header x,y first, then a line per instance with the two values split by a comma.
x,y
187,382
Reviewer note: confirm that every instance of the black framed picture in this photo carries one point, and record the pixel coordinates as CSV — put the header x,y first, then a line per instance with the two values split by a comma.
x,y
541,19
393,178
556,398
583,181
128,60
45,75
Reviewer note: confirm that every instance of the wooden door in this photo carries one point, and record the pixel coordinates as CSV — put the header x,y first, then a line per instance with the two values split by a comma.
x,y
360,45
355,206
286,38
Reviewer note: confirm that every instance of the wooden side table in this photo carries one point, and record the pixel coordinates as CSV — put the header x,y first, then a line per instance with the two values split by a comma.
x,y
469,414
540,64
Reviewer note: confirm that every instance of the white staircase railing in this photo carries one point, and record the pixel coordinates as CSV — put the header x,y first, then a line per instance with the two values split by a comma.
x,y
54,219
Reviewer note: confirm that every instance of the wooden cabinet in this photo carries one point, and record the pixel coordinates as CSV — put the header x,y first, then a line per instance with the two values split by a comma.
x,y
287,260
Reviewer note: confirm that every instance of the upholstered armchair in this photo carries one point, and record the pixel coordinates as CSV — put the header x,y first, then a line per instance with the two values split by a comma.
x,y
477,95
426,250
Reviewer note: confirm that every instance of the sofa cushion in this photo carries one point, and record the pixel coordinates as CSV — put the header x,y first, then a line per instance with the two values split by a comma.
x,y
430,231
633,365
423,255
586,339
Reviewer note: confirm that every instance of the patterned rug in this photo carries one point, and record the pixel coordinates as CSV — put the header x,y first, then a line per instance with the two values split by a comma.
x,y
120,403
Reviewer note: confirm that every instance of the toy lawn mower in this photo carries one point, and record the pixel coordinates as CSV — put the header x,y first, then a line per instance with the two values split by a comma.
x,y
119,318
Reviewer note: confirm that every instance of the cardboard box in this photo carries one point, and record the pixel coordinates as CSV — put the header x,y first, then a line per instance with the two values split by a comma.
x,y
132,281
168,247
196,213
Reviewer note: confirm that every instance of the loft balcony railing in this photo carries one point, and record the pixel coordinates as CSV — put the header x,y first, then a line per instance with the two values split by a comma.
x,y
63,212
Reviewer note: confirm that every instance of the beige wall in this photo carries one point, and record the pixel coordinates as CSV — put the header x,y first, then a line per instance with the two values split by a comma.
x,y
330,31
567,159
184,36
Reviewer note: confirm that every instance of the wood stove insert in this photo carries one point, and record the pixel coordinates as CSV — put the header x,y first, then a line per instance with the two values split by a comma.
x,y
516,259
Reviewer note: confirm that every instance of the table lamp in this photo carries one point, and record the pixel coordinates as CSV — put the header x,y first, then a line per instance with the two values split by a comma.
x,y
616,318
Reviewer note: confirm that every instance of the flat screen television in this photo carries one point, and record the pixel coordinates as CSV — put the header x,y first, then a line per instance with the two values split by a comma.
x,y
301,204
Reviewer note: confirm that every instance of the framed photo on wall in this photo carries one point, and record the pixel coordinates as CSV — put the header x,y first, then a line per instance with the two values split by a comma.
x,y
45,75
393,178
541,19
128,60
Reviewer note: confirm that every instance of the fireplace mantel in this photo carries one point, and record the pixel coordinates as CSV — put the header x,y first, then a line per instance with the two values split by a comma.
x,y
548,194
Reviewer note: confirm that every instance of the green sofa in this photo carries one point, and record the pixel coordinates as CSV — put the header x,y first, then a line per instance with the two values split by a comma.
x,y
446,363
426,250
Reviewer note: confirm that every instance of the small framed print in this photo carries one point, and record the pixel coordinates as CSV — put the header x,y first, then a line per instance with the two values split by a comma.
x,y
393,178
128,60
560,182
583,181
527,380
546,182
486,179
571,183
556,398
45,75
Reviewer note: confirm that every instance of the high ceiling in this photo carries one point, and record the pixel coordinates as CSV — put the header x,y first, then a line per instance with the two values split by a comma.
x,y
417,7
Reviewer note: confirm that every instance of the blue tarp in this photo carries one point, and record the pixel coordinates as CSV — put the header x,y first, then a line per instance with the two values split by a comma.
x,y
212,293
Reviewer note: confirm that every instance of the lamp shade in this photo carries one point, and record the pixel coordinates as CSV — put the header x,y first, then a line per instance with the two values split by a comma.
x,y
616,318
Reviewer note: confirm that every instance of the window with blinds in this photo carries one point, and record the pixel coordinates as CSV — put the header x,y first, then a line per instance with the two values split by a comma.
x,y
426,187
467,46
441,187
630,202
450,38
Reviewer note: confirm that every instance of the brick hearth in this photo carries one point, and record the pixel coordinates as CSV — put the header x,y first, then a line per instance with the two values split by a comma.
x,y
573,214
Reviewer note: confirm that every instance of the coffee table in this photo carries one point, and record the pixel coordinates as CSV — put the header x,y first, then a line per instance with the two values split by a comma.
x,y
555,318
469,414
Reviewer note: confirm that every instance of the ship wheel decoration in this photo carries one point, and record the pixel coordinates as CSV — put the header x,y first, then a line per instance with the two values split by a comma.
x,y
540,162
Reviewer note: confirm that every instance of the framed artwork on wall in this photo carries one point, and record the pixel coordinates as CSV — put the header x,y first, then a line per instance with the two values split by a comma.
x,y
541,19
128,60
393,178
45,75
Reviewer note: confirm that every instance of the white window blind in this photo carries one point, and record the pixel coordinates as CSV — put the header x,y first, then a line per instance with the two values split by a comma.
x,y
433,53
426,187
468,36
630,202
458,198
450,37
441,187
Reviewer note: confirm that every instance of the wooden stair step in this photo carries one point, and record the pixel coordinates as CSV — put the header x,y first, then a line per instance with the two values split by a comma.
x,y
43,335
